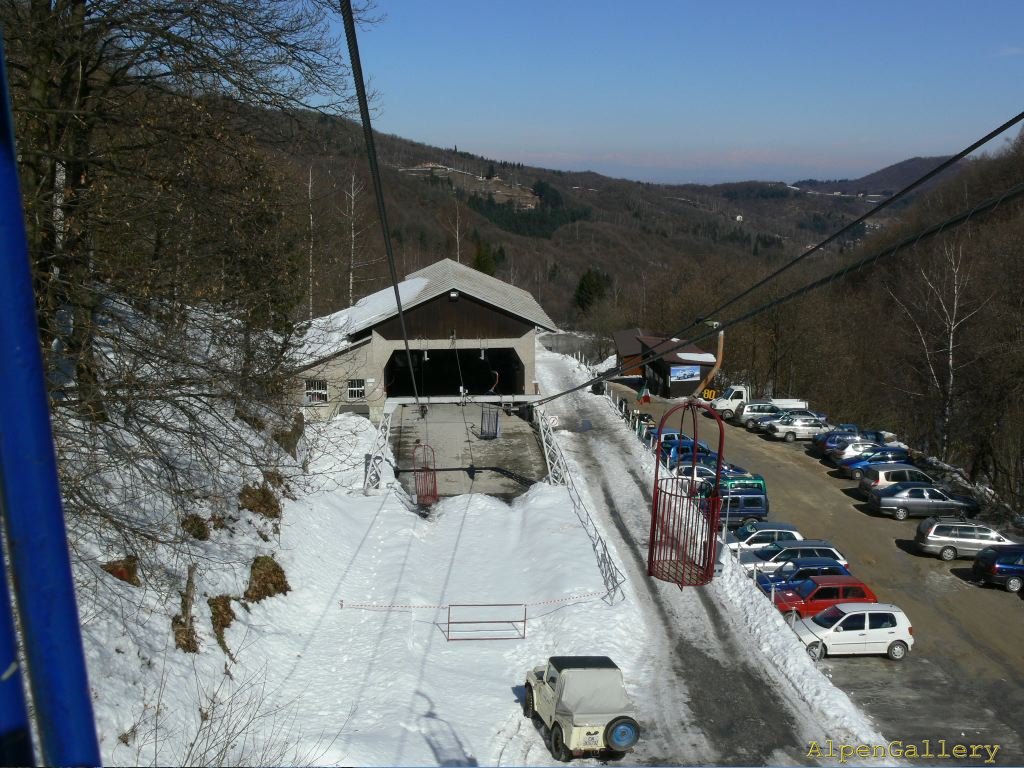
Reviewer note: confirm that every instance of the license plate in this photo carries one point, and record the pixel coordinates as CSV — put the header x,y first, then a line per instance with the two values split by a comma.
x,y
591,739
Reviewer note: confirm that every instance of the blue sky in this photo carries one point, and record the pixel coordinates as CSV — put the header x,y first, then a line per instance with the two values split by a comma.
x,y
697,91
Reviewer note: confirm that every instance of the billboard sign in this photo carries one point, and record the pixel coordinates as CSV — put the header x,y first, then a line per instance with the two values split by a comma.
x,y
684,373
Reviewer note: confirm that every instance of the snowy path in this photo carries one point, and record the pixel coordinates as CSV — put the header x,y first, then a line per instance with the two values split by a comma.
x,y
698,673
353,667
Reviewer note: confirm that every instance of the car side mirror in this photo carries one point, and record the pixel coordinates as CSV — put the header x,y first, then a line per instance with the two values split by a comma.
x,y
552,680
839,629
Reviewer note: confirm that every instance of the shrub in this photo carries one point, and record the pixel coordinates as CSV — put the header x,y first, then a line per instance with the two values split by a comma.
x,y
266,579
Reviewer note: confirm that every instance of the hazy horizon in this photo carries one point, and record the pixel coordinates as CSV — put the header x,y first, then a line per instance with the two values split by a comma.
x,y
681,92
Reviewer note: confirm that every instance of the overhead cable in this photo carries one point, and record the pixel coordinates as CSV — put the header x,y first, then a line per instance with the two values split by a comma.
x,y
371,156
951,223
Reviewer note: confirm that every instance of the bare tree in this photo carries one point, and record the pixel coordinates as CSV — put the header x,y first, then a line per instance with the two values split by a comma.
x,y
938,306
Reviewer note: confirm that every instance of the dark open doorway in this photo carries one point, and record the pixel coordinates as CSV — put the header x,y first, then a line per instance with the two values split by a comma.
x,y
445,370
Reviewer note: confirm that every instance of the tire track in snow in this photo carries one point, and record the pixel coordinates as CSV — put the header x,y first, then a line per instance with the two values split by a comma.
x,y
740,714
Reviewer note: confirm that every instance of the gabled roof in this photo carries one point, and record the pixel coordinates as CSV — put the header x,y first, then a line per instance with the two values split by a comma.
x,y
688,354
332,334
446,275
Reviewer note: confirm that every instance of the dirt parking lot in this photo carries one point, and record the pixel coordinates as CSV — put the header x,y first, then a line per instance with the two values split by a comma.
x,y
964,680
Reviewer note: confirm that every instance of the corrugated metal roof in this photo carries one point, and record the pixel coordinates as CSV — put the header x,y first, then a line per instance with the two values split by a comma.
x,y
447,275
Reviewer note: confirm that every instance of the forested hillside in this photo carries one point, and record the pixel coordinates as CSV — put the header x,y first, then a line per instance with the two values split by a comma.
x,y
190,203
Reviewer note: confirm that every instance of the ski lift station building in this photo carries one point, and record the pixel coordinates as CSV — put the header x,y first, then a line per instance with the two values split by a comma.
x,y
469,334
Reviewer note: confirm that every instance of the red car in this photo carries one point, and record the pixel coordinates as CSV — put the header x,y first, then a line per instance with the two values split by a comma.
x,y
817,593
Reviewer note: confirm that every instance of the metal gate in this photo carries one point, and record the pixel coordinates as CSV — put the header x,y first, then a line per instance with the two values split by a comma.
x,y
489,421
685,511
426,475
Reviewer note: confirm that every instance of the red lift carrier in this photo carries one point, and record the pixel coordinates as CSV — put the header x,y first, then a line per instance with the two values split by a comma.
x,y
684,524
426,474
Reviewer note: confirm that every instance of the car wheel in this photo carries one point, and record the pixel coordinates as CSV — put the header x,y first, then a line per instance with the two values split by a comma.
x,y
790,437
901,514
1013,584
622,734
857,474
748,521
948,553
816,651
897,650
528,703
726,415
792,617
749,424
558,749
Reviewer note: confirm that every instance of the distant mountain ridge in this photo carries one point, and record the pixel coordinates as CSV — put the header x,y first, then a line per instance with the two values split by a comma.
x,y
886,181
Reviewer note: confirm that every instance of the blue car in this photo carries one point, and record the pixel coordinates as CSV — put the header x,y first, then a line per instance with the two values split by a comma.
x,y
826,441
854,467
794,571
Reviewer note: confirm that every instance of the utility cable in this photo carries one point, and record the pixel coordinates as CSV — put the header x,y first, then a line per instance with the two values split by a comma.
x,y
371,156
835,235
938,169
882,205
950,223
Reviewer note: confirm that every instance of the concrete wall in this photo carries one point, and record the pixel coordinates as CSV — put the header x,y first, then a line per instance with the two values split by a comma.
x,y
368,362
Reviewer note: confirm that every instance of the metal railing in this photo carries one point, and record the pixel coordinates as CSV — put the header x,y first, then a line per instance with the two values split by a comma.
x,y
375,458
558,474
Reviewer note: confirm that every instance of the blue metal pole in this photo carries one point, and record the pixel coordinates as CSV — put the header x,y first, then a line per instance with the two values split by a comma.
x,y
33,516
15,737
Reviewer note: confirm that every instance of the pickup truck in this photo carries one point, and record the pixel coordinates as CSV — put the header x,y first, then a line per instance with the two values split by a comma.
x,y
582,702
738,394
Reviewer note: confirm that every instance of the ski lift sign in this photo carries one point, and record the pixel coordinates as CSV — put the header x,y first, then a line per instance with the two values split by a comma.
x,y
684,373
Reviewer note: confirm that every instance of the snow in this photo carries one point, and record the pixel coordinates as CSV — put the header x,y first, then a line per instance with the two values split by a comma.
x,y
330,334
353,666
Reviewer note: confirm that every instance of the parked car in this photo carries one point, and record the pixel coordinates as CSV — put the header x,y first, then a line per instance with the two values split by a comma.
x,y
742,506
882,475
903,500
796,428
953,537
826,441
856,628
757,535
854,467
772,557
817,593
762,424
1002,566
794,571
582,701
852,446
750,412
706,466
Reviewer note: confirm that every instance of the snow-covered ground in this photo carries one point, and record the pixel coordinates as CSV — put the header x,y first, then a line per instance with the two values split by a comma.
x,y
353,666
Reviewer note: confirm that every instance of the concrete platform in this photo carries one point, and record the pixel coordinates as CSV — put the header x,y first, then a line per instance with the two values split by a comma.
x,y
453,431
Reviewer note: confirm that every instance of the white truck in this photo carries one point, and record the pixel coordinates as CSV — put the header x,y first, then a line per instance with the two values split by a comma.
x,y
583,705
738,394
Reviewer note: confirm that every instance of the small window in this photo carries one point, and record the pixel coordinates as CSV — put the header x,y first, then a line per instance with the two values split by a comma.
x,y
827,593
786,536
357,389
936,494
882,621
316,391
943,530
854,622
915,493
854,592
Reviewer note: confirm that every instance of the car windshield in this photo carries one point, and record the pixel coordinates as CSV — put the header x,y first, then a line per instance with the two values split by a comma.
x,y
744,533
767,553
828,617
805,588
